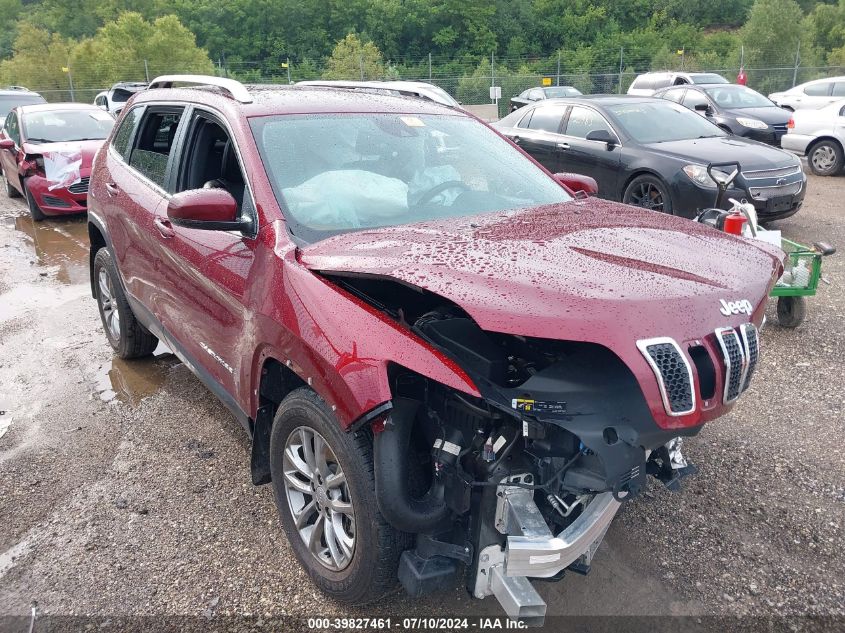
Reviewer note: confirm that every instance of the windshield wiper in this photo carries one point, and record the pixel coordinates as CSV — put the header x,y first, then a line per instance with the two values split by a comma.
x,y
38,140
88,138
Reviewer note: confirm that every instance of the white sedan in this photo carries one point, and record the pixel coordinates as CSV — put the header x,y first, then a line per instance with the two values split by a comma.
x,y
820,136
811,95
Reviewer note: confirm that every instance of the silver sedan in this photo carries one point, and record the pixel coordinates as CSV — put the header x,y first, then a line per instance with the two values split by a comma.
x,y
820,136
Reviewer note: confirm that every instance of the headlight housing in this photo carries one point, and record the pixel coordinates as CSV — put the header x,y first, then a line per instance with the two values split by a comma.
x,y
698,174
754,124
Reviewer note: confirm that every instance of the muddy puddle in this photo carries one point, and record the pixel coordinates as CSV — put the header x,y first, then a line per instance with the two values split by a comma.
x,y
58,243
132,381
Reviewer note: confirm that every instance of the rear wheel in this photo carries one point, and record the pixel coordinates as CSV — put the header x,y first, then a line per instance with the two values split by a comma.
x,y
791,311
648,192
34,210
325,493
11,192
125,333
825,158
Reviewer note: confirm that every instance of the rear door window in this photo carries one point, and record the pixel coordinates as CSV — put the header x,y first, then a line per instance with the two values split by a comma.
x,y
675,94
12,129
821,89
123,137
547,119
839,89
154,143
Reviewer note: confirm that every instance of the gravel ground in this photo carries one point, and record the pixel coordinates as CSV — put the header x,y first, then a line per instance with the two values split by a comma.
x,y
125,492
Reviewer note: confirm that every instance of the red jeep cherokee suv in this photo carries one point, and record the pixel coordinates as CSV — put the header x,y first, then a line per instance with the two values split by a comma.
x,y
446,360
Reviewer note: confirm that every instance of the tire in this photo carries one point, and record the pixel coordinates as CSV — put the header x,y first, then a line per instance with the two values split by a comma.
x,y
124,332
825,158
34,210
11,192
647,187
367,569
791,311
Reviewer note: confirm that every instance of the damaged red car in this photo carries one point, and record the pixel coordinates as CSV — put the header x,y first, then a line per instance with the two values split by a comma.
x,y
452,369
46,152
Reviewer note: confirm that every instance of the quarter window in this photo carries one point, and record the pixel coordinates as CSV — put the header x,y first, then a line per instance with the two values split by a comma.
x,y
153,144
123,136
674,95
583,120
547,119
12,128
839,89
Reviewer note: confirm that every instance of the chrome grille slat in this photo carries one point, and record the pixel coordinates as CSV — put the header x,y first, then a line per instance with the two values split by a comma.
x,y
751,346
735,362
673,373
788,189
772,173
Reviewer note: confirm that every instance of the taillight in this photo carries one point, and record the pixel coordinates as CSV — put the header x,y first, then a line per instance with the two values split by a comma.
x,y
791,124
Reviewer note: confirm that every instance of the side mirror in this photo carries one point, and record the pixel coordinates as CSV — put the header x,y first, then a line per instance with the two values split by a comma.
x,y
602,136
578,182
702,107
209,209
7,143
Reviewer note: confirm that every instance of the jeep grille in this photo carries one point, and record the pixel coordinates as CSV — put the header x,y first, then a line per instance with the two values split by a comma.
x,y
673,373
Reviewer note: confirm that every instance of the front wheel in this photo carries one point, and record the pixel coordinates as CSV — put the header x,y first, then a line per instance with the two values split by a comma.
x,y
825,158
325,493
34,210
791,311
648,192
125,333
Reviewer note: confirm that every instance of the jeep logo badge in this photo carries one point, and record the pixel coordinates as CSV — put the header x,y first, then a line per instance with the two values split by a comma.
x,y
743,306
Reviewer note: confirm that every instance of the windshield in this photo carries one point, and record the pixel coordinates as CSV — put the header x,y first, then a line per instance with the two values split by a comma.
x,y
7,102
59,126
708,78
661,121
561,91
738,97
335,173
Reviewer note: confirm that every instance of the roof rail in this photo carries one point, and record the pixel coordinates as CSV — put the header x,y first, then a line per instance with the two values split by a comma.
x,y
235,88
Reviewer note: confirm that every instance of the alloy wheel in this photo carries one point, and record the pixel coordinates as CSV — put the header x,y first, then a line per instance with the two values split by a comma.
x,y
823,158
647,195
108,304
319,498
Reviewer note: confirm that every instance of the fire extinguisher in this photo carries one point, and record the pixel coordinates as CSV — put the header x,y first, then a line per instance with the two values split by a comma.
x,y
741,78
734,222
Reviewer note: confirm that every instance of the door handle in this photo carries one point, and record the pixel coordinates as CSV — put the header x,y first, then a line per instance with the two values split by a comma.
x,y
516,139
112,189
563,145
164,227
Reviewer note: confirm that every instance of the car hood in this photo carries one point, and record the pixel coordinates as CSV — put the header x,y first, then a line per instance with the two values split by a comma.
x,y
587,270
85,149
750,154
767,114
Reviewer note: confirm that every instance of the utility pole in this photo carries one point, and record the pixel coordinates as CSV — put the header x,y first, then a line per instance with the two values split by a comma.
x,y
797,61
288,65
361,62
621,50
146,71
429,67
557,79
70,80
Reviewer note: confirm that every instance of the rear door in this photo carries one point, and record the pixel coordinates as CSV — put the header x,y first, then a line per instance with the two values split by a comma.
x,y
202,298
591,158
539,134
9,157
130,190
816,95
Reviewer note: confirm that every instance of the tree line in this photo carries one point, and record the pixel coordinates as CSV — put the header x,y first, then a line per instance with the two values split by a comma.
x,y
49,44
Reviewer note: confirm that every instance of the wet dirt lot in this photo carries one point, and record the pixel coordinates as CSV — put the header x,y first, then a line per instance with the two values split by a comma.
x,y
125,491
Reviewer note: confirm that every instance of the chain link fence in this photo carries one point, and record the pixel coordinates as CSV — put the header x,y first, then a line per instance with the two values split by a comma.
x,y
469,80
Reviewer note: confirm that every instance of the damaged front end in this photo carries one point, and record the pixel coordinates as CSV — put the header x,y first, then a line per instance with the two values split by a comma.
x,y
524,480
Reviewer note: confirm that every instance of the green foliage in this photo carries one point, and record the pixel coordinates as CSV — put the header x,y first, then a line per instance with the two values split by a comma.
x,y
352,58
39,57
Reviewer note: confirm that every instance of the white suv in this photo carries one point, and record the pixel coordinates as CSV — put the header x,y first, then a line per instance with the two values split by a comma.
x,y
113,99
813,94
